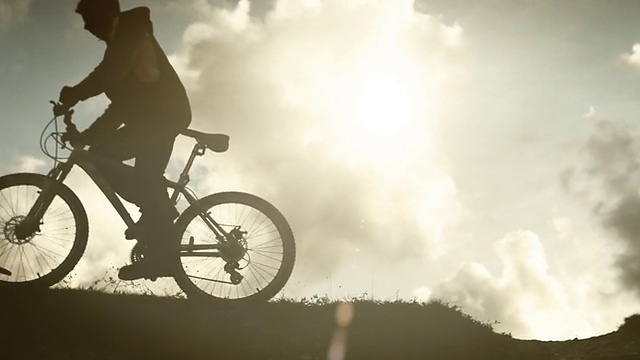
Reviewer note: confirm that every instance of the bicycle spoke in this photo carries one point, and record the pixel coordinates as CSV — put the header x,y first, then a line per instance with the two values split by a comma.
x,y
242,216
220,270
55,209
253,224
261,246
54,237
255,235
37,259
265,223
256,277
40,255
60,247
23,259
11,205
4,247
266,252
14,259
242,285
269,257
63,235
10,211
247,279
18,198
45,251
260,266
199,265
57,219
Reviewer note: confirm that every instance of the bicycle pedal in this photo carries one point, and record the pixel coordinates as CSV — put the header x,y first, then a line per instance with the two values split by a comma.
x,y
130,234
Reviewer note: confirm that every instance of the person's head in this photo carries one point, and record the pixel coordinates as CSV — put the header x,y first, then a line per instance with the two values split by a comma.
x,y
98,16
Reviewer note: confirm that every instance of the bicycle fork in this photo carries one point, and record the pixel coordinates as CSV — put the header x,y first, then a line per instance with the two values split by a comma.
x,y
31,223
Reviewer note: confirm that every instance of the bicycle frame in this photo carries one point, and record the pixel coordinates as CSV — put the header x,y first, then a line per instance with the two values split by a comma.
x,y
85,160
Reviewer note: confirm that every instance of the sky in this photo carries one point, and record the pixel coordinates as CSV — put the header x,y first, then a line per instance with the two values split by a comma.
x,y
482,153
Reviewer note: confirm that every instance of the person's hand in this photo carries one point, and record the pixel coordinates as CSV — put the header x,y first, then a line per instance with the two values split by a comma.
x,y
68,97
59,109
75,138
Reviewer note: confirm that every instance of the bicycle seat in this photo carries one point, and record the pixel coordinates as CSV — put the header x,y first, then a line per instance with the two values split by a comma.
x,y
213,142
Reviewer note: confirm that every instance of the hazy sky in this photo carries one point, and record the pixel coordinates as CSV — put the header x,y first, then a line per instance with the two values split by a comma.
x,y
485,153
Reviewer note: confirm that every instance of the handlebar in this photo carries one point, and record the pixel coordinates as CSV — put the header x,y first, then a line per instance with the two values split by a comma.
x,y
60,109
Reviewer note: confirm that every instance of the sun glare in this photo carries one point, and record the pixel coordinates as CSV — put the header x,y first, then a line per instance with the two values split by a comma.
x,y
380,113
369,87
383,109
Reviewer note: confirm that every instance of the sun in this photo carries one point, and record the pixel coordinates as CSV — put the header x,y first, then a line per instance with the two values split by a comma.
x,y
380,112
383,108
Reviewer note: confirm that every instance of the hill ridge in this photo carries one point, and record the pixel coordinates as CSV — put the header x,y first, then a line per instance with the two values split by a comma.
x,y
80,324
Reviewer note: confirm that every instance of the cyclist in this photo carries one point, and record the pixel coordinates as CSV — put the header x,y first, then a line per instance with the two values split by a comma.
x,y
149,108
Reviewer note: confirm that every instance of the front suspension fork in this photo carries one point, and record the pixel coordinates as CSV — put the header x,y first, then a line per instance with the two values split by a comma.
x,y
48,193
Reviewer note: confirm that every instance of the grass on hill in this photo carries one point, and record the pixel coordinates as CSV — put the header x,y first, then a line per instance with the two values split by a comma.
x,y
81,324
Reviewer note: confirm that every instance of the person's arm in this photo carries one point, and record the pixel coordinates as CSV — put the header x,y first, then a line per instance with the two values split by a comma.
x,y
108,122
94,84
91,86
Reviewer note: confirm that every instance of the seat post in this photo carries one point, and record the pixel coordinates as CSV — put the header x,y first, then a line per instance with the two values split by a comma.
x,y
198,150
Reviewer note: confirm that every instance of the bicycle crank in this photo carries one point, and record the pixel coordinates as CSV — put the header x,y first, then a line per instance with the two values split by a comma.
x,y
137,253
4,271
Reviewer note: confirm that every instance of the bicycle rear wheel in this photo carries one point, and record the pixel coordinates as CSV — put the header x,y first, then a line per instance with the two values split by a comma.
x,y
256,268
39,255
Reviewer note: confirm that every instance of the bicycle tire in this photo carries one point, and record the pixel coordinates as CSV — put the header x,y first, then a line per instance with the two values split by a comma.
x,y
184,279
76,250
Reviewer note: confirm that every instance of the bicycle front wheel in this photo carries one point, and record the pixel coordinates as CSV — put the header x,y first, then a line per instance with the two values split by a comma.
x,y
255,268
40,254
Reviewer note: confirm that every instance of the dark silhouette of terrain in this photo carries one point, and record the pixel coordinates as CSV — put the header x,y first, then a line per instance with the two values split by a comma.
x,y
81,324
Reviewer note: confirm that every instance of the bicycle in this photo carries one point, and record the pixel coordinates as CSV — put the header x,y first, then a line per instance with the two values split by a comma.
x,y
233,246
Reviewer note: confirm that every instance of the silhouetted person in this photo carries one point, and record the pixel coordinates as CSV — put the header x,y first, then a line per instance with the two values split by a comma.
x,y
149,107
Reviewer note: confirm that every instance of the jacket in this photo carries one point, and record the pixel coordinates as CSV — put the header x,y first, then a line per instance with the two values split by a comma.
x,y
137,77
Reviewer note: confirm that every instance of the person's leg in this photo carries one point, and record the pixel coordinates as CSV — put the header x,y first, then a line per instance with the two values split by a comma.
x,y
141,183
116,147
156,228
154,202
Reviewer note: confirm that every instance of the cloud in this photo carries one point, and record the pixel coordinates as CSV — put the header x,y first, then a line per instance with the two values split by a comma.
x,y
526,300
422,293
632,59
27,163
12,12
332,108
607,178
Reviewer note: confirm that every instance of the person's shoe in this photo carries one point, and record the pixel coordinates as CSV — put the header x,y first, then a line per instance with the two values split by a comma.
x,y
136,230
133,232
145,269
